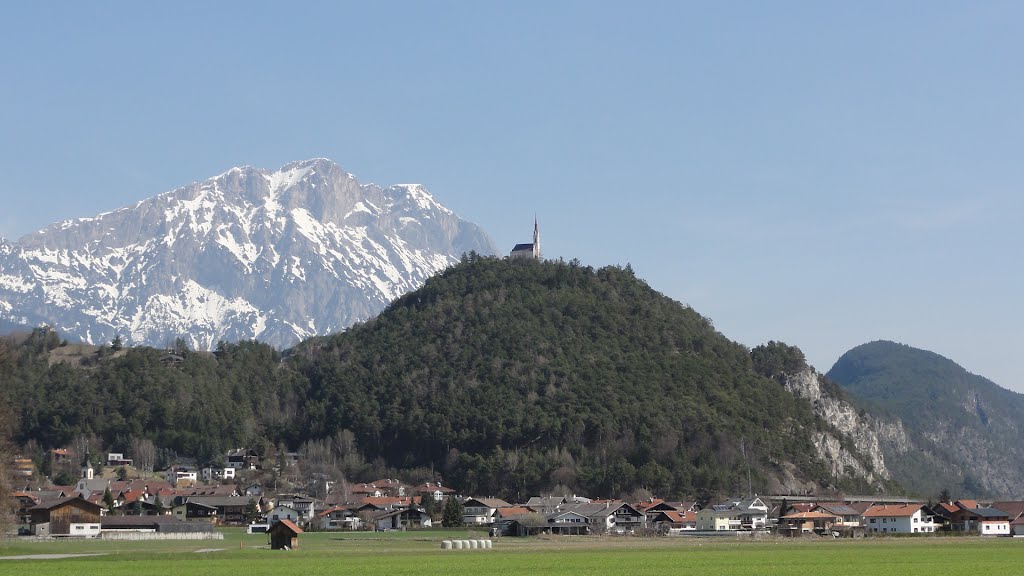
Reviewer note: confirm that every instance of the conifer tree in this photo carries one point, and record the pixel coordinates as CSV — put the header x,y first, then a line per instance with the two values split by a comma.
x,y
453,510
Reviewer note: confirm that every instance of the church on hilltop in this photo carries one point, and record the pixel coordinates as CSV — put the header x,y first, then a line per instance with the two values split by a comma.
x,y
528,250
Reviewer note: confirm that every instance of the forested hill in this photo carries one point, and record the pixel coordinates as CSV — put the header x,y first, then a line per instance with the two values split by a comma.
x,y
521,376
504,377
969,431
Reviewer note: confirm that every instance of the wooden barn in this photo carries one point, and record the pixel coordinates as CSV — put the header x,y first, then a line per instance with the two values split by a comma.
x,y
284,534
74,516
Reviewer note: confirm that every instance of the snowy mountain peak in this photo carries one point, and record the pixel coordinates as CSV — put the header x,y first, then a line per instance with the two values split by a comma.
x,y
277,255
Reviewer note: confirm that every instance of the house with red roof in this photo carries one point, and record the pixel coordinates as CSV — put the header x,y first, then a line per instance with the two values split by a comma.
x,y
898,519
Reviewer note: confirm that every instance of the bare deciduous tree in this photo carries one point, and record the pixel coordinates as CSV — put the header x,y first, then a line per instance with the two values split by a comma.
x,y
144,454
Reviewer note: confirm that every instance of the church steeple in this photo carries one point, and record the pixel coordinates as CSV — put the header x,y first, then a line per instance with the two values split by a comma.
x,y
87,471
536,238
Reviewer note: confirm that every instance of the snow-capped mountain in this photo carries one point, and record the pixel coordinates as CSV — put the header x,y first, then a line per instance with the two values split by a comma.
x,y
252,253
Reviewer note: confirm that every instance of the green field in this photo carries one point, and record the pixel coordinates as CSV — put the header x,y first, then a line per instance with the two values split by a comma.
x,y
419,554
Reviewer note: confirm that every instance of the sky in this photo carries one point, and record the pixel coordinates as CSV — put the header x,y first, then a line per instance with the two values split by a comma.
x,y
819,173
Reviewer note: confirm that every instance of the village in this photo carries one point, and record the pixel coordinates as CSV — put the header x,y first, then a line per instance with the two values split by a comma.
x,y
186,502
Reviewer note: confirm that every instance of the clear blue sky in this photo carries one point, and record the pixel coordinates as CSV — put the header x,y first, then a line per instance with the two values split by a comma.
x,y
820,173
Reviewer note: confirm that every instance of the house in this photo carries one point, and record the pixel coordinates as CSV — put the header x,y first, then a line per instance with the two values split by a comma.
x,y
216,474
511,512
1015,510
60,456
118,459
717,518
603,516
480,511
984,521
182,476
304,505
284,535
280,512
749,514
898,519
70,516
797,523
753,514
569,523
194,511
432,489
942,515
400,519
546,504
339,518
243,459
844,515
666,520
365,489
23,467
969,516
390,487
23,502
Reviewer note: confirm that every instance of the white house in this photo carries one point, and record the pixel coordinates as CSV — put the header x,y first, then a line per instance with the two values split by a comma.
x,y
211,474
480,511
182,475
736,515
304,505
282,513
898,519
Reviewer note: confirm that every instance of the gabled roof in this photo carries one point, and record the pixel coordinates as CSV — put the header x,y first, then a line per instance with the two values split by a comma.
x,y
652,504
51,504
989,513
809,516
397,512
512,511
488,502
431,487
1015,508
287,524
966,504
676,517
838,509
861,507
893,510
335,509
384,501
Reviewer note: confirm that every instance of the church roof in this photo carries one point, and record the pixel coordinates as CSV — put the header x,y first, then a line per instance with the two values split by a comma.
x,y
522,247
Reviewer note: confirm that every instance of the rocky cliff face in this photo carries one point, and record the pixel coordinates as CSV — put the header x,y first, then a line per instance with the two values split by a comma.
x,y
252,253
860,448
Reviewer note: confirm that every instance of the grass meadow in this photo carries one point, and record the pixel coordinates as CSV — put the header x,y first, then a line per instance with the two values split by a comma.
x,y
419,554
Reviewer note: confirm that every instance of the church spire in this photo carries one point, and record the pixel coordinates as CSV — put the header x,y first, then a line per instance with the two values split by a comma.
x,y
536,238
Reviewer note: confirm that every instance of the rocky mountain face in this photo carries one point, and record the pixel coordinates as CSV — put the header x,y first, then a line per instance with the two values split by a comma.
x,y
870,437
966,434
252,253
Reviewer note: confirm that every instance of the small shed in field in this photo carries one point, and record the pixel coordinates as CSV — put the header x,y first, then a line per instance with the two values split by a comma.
x,y
284,534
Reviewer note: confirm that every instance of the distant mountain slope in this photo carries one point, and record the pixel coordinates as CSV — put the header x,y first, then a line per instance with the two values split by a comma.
x,y
252,253
522,375
969,432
